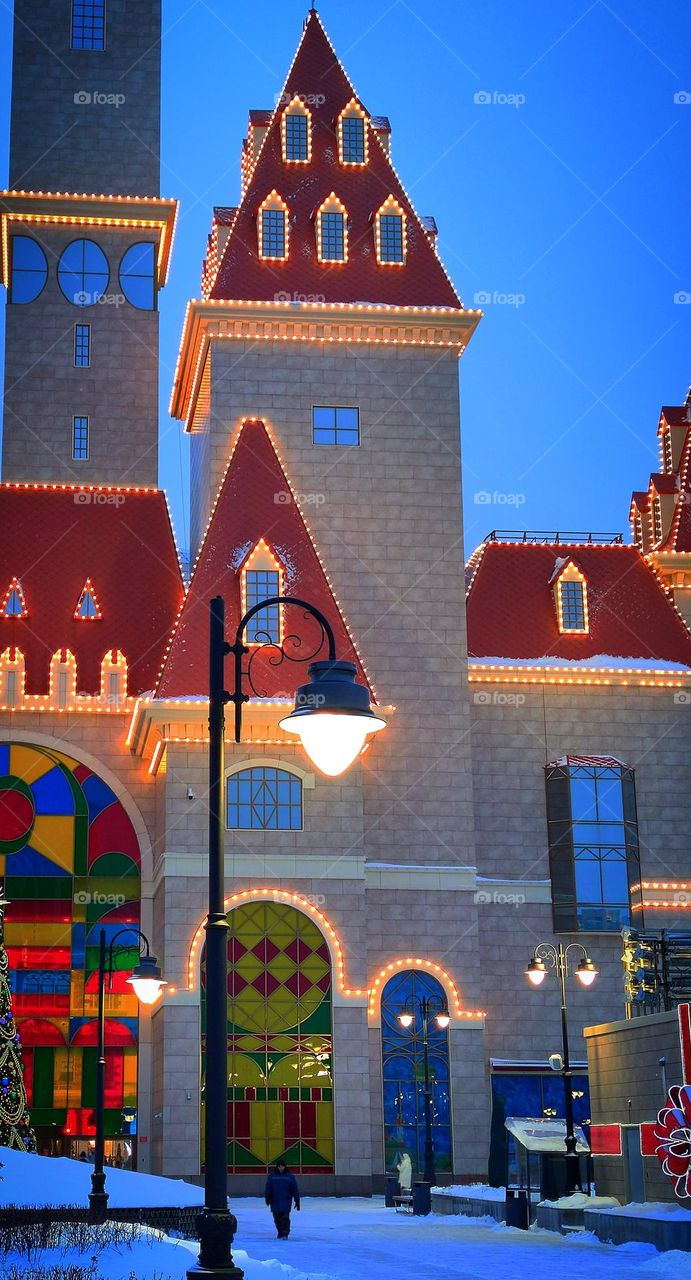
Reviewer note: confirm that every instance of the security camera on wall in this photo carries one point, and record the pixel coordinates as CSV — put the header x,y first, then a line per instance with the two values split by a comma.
x,y
556,1062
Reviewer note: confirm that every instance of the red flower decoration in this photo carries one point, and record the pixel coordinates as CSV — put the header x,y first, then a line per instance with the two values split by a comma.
x,y
673,1139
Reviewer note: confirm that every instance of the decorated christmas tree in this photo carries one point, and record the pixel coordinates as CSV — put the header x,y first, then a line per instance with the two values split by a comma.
x,y
15,1124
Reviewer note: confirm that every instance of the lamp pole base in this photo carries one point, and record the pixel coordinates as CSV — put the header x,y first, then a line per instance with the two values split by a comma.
x,y
98,1198
216,1232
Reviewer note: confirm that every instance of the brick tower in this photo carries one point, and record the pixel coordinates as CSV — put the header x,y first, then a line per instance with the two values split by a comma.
x,y
85,243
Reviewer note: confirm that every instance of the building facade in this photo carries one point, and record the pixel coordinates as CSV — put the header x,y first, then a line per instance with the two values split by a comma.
x,y
530,783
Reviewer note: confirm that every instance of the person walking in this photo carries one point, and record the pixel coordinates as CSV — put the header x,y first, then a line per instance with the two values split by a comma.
x,y
280,1192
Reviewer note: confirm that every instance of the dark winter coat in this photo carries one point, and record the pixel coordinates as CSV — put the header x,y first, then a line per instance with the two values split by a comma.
x,y
280,1191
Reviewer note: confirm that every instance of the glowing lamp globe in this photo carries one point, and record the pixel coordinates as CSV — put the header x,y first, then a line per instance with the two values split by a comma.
x,y
586,972
146,980
536,971
442,1020
332,716
406,1020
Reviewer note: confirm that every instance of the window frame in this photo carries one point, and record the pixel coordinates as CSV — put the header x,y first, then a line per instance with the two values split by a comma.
x,y
26,270
296,107
390,208
139,276
336,443
264,766
81,418
332,207
87,48
353,111
570,575
79,341
261,559
273,203
84,240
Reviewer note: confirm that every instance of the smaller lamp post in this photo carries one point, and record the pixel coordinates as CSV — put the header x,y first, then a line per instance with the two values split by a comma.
x,y
146,981
428,1007
548,956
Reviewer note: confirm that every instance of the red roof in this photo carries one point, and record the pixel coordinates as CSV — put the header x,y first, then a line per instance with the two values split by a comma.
x,y
317,76
640,499
255,501
664,481
512,614
53,539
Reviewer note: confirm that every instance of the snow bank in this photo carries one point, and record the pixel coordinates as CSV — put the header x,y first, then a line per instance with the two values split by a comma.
x,y
472,1191
41,1180
581,1201
653,1209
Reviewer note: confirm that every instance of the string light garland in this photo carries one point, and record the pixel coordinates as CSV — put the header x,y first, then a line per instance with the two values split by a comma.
x,y
429,966
262,557
353,110
332,205
88,593
571,573
15,589
296,107
391,208
273,204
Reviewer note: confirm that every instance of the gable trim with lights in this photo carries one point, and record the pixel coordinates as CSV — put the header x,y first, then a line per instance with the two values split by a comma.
x,y
14,601
88,608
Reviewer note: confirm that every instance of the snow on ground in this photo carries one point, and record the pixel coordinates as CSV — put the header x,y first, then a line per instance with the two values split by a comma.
x,y
44,1180
472,1191
654,1209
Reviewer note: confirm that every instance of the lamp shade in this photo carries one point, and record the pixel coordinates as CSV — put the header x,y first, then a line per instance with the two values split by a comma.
x,y
406,1019
586,972
332,716
536,971
146,980
442,1019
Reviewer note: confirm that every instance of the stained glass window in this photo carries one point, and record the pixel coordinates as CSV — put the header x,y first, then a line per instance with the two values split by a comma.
x,y
280,1089
404,1079
70,862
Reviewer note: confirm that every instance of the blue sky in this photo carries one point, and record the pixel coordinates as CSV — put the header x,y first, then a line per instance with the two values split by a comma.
x,y
565,198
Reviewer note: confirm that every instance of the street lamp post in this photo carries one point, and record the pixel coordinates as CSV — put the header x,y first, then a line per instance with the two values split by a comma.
x,y
146,982
548,956
428,1006
332,716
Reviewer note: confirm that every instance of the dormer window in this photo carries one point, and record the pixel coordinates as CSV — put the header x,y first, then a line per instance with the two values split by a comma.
x,y
352,135
14,604
667,456
657,518
390,234
571,598
296,133
262,578
88,608
272,228
332,231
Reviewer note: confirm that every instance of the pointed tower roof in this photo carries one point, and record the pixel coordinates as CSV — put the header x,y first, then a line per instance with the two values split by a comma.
x,y
317,78
255,505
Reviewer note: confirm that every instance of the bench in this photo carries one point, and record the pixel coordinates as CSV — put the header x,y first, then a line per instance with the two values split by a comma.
x,y
403,1203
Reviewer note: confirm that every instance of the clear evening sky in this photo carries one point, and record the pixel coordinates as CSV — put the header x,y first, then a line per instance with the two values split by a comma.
x,y
551,143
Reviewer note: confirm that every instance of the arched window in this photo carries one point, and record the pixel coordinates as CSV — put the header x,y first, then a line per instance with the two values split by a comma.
x,y
114,678
332,231
272,228
390,233
280,1085
352,135
263,798
137,276
296,133
571,597
262,578
83,273
29,269
404,1078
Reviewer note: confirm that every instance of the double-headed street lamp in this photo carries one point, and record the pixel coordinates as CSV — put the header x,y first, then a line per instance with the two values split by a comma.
x,y
428,1007
332,717
548,956
146,981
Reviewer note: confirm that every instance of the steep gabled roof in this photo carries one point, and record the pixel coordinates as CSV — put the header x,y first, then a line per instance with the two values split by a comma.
x,y
255,501
679,536
512,617
55,537
317,76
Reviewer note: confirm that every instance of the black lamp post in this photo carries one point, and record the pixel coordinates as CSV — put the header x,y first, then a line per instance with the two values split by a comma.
x,y
332,716
146,981
428,1007
548,956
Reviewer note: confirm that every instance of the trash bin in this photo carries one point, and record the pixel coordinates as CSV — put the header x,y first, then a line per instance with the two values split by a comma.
x,y
422,1200
392,1189
517,1214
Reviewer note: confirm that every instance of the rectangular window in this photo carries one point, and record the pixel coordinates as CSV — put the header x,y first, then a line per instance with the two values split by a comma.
x,y
572,608
11,688
88,24
296,136
82,346
391,237
261,584
80,439
593,841
264,799
62,688
332,237
273,233
332,425
353,135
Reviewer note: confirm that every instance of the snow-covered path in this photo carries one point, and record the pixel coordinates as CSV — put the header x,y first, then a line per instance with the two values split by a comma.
x,y
357,1239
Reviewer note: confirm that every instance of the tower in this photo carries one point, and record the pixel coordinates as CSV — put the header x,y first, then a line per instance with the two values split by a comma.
x,y
85,243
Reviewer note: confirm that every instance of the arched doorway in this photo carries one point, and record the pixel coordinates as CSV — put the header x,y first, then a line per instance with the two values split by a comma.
x,y
403,1072
70,865
280,1089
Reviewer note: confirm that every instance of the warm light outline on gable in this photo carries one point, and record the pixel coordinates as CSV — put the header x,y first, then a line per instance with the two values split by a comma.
x,y
262,557
332,204
273,203
571,573
15,588
353,109
88,590
296,107
391,206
